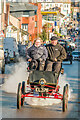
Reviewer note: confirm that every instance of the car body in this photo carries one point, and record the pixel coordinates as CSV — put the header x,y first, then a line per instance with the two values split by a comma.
x,y
22,50
76,55
71,39
63,43
66,43
72,45
42,85
2,61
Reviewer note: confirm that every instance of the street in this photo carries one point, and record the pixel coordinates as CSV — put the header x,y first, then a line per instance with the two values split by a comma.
x,y
8,98
36,36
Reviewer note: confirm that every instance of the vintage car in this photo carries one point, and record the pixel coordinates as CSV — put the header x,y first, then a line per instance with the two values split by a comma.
x,y
44,85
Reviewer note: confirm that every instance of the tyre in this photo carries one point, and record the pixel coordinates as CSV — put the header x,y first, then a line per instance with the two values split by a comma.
x,y
3,67
19,93
23,92
3,70
67,87
65,98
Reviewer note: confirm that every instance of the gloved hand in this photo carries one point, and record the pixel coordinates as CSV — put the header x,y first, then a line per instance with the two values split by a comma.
x,y
29,60
55,59
40,59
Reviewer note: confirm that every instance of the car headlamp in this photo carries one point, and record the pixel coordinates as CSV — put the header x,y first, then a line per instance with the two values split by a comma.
x,y
42,81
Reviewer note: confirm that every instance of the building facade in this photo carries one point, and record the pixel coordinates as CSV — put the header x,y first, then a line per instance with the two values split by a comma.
x,y
26,18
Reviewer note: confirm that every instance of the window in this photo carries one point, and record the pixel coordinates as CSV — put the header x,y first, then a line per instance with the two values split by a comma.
x,y
35,12
32,18
35,24
64,6
41,5
47,4
25,13
60,5
56,5
50,4
24,27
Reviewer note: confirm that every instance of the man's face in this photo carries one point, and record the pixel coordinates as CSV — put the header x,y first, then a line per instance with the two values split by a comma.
x,y
37,43
54,42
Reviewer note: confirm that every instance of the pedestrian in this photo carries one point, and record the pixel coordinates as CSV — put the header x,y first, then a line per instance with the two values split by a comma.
x,y
69,49
56,54
37,55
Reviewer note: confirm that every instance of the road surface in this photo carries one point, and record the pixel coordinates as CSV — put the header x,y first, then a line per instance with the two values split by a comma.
x,y
9,101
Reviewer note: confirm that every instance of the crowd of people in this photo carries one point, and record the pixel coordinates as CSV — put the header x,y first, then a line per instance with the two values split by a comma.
x,y
48,57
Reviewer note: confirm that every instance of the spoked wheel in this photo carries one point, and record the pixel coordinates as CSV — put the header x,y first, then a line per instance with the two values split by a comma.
x,y
19,96
65,98
23,92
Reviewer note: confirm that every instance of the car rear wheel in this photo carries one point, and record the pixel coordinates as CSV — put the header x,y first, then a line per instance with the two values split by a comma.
x,y
65,98
3,70
19,92
23,92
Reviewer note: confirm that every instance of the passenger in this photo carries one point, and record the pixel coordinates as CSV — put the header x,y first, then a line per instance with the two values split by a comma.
x,y
37,55
56,54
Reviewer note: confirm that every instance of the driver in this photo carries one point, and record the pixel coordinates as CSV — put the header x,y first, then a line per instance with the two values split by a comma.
x,y
56,54
37,55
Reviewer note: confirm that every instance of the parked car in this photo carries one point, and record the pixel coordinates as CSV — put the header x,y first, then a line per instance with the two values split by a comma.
x,y
65,44
2,61
72,45
76,55
71,39
22,50
10,50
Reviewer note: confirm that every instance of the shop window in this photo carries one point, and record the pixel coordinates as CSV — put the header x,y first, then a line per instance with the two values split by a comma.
x,y
35,24
32,18
24,27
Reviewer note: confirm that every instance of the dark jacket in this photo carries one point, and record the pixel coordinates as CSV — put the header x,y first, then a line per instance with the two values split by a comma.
x,y
56,51
69,49
37,53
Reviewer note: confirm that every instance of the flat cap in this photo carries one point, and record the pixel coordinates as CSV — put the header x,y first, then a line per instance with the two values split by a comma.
x,y
54,38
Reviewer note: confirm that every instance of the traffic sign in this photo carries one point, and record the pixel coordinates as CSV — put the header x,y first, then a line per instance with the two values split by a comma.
x,y
2,34
55,23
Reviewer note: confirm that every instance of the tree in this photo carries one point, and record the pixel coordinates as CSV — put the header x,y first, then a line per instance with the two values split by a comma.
x,y
43,35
